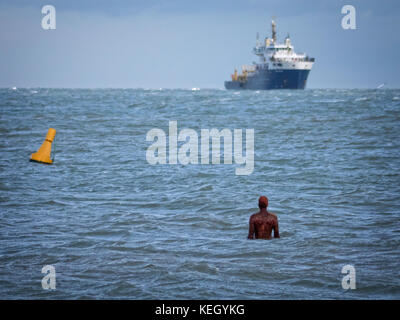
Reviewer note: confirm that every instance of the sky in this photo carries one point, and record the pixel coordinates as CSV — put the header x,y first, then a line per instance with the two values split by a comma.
x,y
186,44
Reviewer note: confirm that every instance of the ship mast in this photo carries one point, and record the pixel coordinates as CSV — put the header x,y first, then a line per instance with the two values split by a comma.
x,y
273,31
257,40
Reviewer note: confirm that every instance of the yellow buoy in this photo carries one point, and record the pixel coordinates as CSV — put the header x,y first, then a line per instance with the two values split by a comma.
x,y
43,154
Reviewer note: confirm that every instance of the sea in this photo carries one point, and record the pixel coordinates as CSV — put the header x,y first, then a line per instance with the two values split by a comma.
x,y
102,222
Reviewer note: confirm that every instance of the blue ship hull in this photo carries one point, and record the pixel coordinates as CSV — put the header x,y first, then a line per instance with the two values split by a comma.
x,y
271,79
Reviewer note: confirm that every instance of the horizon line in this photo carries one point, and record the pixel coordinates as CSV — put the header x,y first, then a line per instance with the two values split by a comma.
x,y
197,88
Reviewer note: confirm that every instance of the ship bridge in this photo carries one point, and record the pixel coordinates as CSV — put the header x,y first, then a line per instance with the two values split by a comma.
x,y
276,55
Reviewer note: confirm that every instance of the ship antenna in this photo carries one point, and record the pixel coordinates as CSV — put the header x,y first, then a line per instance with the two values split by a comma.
x,y
258,39
273,30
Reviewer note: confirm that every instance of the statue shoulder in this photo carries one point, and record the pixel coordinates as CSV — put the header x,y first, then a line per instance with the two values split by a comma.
x,y
274,215
254,215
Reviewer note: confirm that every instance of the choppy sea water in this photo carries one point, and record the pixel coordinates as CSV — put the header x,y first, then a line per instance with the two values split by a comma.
x,y
114,226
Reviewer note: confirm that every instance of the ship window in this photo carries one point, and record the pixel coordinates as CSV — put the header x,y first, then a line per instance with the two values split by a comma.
x,y
279,64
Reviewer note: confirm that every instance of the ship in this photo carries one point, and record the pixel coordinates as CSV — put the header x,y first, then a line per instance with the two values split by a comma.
x,y
279,67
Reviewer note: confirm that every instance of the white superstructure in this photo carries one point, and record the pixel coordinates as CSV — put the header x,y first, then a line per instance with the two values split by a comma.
x,y
280,56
